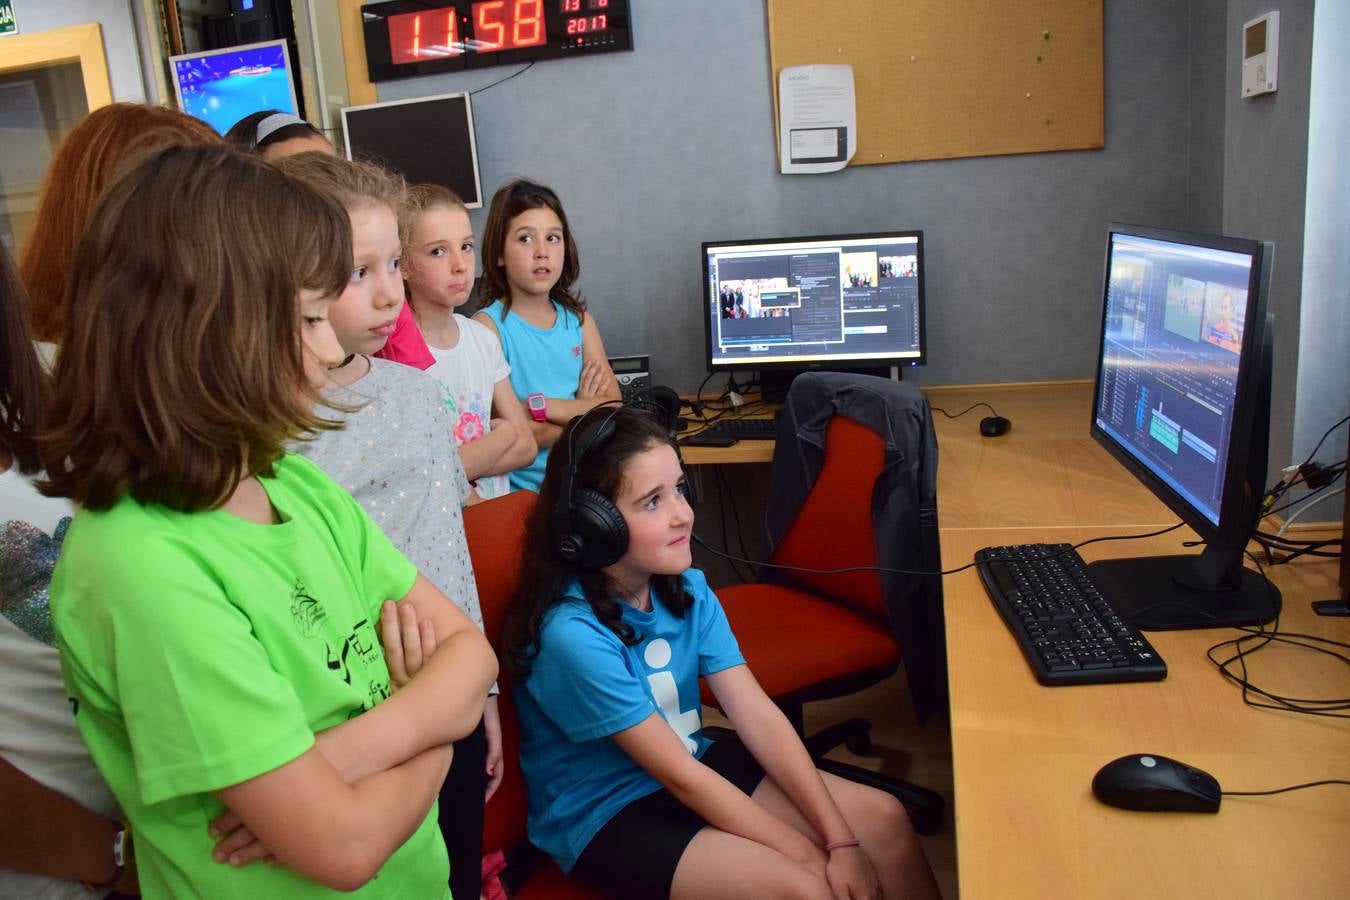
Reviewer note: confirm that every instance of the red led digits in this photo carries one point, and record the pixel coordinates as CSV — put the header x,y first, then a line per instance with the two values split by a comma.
x,y
587,24
498,25
415,37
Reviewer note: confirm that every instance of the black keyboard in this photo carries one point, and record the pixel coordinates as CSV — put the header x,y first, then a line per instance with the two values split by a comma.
x,y
1067,629
744,429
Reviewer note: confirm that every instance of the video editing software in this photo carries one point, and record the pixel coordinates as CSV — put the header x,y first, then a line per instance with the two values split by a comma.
x,y
1173,341
850,298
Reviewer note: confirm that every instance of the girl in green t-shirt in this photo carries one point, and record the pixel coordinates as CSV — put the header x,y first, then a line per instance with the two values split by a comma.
x,y
220,605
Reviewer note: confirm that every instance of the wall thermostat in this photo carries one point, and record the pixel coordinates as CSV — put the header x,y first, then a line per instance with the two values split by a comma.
x,y
633,374
1260,54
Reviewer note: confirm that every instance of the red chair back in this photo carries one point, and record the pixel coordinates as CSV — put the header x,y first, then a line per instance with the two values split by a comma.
x,y
833,529
496,536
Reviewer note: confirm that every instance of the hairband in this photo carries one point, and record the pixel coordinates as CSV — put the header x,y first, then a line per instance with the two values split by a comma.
x,y
275,122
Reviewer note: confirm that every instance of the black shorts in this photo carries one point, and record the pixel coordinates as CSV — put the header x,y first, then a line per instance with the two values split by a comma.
x,y
634,854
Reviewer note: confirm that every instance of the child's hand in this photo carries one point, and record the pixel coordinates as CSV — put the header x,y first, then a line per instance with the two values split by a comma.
x,y
851,876
235,844
594,377
496,765
407,643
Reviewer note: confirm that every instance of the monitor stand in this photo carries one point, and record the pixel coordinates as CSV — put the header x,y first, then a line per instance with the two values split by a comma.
x,y
1167,593
774,383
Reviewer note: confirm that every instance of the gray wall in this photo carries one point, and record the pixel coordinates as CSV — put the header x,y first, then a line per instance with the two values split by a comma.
x,y
1323,389
1265,184
657,150
1206,102
119,35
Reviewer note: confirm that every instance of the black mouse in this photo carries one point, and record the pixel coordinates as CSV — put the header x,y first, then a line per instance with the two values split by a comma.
x,y
993,426
1153,783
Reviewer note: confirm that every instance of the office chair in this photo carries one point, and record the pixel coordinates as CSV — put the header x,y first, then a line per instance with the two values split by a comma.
x,y
496,532
810,636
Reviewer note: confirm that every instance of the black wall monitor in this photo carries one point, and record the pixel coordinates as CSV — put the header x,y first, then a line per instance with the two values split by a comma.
x,y
429,139
838,302
1182,400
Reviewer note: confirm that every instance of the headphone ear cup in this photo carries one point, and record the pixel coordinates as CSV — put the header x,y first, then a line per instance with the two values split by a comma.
x,y
598,529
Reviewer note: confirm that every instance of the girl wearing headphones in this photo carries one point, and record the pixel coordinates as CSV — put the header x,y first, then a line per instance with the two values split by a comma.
x,y
609,634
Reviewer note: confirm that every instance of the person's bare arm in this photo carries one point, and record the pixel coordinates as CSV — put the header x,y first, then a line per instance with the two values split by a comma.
x,y
43,832
654,746
505,405
442,703
485,456
337,834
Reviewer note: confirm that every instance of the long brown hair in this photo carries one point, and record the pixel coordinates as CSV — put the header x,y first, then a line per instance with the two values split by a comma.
x,y
24,384
87,160
181,368
512,199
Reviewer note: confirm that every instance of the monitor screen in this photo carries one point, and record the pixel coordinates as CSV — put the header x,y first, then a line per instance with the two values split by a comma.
x,y
222,86
814,301
427,140
1182,401
1171,354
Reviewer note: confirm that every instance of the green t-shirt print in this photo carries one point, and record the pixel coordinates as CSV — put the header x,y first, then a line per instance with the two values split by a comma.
x,y
201,650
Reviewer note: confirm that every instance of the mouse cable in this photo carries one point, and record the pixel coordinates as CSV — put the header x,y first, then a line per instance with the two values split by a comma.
x,y
1295,787
964,411
924,574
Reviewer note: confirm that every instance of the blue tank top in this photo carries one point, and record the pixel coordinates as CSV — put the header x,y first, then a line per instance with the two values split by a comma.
x,y
543,361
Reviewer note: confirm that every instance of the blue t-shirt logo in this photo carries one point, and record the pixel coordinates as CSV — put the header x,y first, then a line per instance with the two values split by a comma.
x,y
666,693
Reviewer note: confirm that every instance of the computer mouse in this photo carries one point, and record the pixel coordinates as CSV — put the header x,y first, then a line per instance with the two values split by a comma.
x,y
1153,783
993,426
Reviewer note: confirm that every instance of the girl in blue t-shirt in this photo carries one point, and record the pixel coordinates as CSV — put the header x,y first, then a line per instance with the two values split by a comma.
x,y
609,633
557,359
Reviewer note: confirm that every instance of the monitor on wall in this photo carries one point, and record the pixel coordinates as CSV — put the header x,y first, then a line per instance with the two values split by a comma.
x,y
222,86
427,140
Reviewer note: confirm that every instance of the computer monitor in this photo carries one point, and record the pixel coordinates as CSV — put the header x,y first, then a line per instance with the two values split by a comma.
x,y
222,86
852,301
426,139
1182,400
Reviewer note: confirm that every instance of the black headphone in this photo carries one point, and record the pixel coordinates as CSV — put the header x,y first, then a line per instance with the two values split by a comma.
x,y
588,530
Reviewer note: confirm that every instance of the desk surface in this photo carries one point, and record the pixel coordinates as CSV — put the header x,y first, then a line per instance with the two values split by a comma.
x,y
1027,824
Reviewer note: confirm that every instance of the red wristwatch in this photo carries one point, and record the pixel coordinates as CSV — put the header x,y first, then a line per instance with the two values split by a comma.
x,y
538,407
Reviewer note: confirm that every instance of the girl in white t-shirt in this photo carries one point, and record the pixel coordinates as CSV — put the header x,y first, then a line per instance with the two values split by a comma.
x,y
438,268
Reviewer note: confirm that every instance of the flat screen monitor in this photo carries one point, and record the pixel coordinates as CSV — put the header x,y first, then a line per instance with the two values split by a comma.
x,y
1182,400
222,86
843,301
427,140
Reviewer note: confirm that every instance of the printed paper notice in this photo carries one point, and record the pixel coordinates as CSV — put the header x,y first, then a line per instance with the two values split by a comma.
x,y
818,119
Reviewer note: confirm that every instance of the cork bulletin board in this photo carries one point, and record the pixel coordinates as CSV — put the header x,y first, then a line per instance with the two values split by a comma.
x,y
938,79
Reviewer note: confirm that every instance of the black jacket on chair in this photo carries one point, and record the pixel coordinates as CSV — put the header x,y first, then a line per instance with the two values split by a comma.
x,y
904,506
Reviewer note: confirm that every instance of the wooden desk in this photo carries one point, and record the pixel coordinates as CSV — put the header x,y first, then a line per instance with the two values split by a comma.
x,y
1027,824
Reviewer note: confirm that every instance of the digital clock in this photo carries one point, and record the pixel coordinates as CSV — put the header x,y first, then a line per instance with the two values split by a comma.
x,y
407,38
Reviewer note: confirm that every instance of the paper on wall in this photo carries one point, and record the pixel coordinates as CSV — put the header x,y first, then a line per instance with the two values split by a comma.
x,y
818,119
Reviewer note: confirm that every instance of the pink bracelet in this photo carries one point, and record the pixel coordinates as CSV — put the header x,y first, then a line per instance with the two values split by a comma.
x,y
839,845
